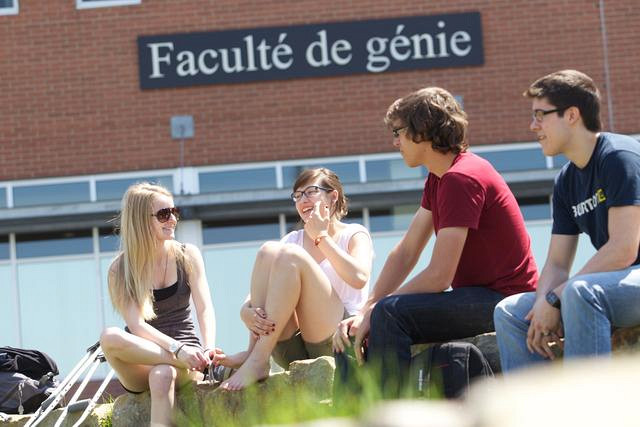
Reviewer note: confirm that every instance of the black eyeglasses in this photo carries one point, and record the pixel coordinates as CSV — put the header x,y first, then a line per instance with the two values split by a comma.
x,y
163,215
538,115
309,192
396,131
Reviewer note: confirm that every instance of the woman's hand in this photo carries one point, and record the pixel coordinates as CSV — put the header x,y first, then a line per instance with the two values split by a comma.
x,y
257,321
318,220
192,358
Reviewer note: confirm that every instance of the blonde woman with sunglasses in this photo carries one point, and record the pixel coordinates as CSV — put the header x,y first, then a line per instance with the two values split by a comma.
x,y
150,283
304,285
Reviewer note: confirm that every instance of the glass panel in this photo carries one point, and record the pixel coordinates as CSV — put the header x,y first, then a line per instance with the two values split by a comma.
x,y
536,211
391,170
54,244
540,237
229,274
8,309
3,197
114,189
109,240
559,161
111,316
51,194
238,180
348,172
4,247
240,231
59,309
382,246
394,218
6,3
516,160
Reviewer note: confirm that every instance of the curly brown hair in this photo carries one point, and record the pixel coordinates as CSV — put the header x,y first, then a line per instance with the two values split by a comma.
x,y
431,114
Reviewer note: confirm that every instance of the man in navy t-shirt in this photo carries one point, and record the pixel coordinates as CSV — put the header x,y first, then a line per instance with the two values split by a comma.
x,y
597,193
482,249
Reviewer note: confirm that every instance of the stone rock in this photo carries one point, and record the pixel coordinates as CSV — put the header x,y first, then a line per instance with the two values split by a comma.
x,y
485,342
96,418
591,392
308,379
626,340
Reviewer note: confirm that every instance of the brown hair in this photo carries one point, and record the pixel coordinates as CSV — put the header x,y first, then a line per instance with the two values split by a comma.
x,y
431,114
328,179
570,88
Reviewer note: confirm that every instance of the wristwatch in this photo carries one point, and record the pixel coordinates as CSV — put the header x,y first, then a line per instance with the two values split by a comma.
x,y
553,299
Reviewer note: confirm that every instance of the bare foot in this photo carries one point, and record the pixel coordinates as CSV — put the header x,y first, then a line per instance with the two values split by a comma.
x,y
234,360
250,372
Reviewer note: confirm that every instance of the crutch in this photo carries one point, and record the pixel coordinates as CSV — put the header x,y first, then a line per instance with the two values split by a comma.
x,y
99,358
89,404
52,401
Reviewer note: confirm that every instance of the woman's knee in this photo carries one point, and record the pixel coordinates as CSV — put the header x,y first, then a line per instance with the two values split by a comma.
x,y
268,251
162,379
111,338
291,255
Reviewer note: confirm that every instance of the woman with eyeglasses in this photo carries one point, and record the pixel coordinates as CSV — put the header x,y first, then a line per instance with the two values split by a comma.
x,y
304,285
150,283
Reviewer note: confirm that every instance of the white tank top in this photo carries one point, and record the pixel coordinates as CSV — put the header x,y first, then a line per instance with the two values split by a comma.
x,y
352,298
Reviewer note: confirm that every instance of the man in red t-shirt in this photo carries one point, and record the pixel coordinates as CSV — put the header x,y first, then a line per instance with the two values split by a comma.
x,y
482,249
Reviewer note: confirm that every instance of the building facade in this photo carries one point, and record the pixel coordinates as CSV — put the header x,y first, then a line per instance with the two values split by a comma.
x,y
90,88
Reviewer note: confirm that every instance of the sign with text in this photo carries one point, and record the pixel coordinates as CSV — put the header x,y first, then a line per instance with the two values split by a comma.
x,y
376,46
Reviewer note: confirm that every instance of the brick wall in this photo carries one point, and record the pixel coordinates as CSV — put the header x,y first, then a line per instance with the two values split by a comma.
x,y
70,101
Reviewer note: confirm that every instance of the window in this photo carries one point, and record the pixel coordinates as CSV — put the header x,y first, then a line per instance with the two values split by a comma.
x,y
240,231
348,172
515,160
391,219
238,180
4,247
8,7
3,197
91,4
51,194
54,244
114,189
559,161
109,240
392,170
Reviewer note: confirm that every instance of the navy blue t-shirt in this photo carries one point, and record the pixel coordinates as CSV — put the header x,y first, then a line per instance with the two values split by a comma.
x,y
582,197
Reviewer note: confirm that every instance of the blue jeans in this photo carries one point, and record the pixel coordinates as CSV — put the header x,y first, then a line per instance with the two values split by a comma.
x,y
591,305
399,321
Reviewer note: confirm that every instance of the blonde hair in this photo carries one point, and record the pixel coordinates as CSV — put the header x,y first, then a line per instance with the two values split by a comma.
x,y
131,273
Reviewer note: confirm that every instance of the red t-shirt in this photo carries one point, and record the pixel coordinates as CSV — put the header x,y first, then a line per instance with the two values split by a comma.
x,y
497,252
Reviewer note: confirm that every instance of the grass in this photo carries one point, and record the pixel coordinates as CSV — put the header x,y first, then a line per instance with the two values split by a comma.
x,y
264,404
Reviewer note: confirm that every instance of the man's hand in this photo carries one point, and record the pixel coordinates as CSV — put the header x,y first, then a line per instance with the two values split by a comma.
x,y
545,327
356,326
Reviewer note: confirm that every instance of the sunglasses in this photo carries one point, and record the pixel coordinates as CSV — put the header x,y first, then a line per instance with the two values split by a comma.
x,y
163,215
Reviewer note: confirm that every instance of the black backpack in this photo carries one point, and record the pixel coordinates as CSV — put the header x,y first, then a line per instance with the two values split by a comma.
x,y
449,367
26,379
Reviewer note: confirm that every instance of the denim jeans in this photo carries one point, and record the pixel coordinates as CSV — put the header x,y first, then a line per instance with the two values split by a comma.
x,y
591,305
399,321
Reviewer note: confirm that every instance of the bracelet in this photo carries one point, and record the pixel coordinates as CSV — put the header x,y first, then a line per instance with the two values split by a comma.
x,y
175,353
319,237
